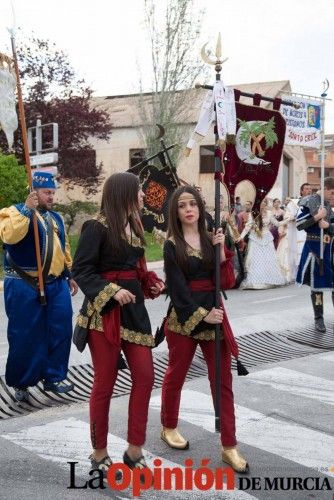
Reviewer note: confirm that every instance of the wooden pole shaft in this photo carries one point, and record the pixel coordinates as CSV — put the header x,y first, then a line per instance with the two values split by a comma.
x,y
28,170
218,328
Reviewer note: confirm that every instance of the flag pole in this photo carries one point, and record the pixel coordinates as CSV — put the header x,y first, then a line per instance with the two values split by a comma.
x,y
322,171
28,168
218,176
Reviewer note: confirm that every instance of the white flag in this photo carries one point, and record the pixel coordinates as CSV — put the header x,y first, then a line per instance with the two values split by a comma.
x,y
8,116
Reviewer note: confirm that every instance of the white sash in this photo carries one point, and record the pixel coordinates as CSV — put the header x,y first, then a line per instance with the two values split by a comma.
x,y
223,98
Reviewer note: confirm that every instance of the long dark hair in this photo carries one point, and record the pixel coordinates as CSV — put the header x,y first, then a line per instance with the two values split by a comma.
x,y
119,206
176,233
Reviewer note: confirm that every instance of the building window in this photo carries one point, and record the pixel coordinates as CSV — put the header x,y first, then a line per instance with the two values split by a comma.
x,y
206,159
136,156
310,170
319,156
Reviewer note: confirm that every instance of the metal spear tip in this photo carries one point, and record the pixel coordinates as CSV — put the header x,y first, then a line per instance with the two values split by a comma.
x,y
12,29
219,47
208,59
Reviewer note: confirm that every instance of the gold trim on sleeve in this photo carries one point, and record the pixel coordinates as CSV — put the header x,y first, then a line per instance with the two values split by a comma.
x,y
176,327
104,296
82,321
190,324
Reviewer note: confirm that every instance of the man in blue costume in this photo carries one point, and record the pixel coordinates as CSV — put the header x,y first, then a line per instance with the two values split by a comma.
x,y
39,336
312,217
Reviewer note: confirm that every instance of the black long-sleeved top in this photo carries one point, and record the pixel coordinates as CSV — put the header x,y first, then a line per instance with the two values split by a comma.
x,y
188,307
95,256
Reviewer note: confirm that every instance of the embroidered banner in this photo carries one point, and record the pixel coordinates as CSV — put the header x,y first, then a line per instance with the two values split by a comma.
x,y
158,186
257,153
303,125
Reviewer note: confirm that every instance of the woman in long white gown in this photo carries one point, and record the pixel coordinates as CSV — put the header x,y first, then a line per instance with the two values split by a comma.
x,y
261,265
287,253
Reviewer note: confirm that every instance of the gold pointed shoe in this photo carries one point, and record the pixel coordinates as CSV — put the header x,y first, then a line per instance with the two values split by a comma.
x,y
173,438
233,457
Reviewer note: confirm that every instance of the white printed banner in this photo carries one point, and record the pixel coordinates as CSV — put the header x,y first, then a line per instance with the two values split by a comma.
x,y
303,125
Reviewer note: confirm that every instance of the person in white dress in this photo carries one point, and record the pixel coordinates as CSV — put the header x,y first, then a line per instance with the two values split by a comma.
x,y
261,265
291,240
287,250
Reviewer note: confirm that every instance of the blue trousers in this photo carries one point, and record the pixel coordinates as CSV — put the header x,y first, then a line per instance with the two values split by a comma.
x,y
39,336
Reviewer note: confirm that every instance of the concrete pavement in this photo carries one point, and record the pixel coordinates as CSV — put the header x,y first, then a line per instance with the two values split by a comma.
x,y
284,418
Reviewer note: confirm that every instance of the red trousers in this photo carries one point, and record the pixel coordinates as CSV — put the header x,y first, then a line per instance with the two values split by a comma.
x,y
181,353
105,358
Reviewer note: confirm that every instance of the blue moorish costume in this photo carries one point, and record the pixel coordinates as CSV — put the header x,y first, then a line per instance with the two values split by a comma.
x,y
39,336
309,270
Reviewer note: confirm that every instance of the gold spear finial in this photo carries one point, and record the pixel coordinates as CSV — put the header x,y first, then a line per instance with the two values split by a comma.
x,y
219,47
217,61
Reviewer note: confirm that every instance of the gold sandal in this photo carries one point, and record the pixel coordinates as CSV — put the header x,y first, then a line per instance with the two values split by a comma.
x,y
173,438
233,457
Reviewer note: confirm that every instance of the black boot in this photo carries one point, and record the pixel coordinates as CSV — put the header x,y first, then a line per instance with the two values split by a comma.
x,y
318,308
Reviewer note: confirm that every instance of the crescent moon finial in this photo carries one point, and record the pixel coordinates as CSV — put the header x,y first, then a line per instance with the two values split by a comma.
x,y
205,56
209,60
325,84
161,132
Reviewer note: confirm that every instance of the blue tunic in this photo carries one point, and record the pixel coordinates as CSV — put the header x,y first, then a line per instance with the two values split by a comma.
x,y
309,270
39,336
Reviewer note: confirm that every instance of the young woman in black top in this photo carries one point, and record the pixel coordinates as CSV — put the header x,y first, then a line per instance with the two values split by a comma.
x,y
189,268
109,268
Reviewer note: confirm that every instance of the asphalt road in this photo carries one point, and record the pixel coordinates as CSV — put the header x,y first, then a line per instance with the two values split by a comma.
x,y
284,420
249,311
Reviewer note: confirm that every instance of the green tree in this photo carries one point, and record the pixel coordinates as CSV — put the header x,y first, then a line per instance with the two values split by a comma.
x,y
173,28
52,91
13,181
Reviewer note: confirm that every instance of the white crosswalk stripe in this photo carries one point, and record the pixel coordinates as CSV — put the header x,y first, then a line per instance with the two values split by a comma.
x,y
62,441
289,440
293,382
67,440
329,356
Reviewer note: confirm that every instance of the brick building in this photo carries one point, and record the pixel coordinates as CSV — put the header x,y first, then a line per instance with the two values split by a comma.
x,y
313,160
125,146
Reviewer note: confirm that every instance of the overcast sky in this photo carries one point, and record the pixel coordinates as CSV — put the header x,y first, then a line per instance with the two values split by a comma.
x,y
265,40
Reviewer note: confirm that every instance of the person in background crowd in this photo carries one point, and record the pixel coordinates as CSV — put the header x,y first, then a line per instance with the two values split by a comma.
x,y
237,205
278,213
244,216
261,265
305,190
312,218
